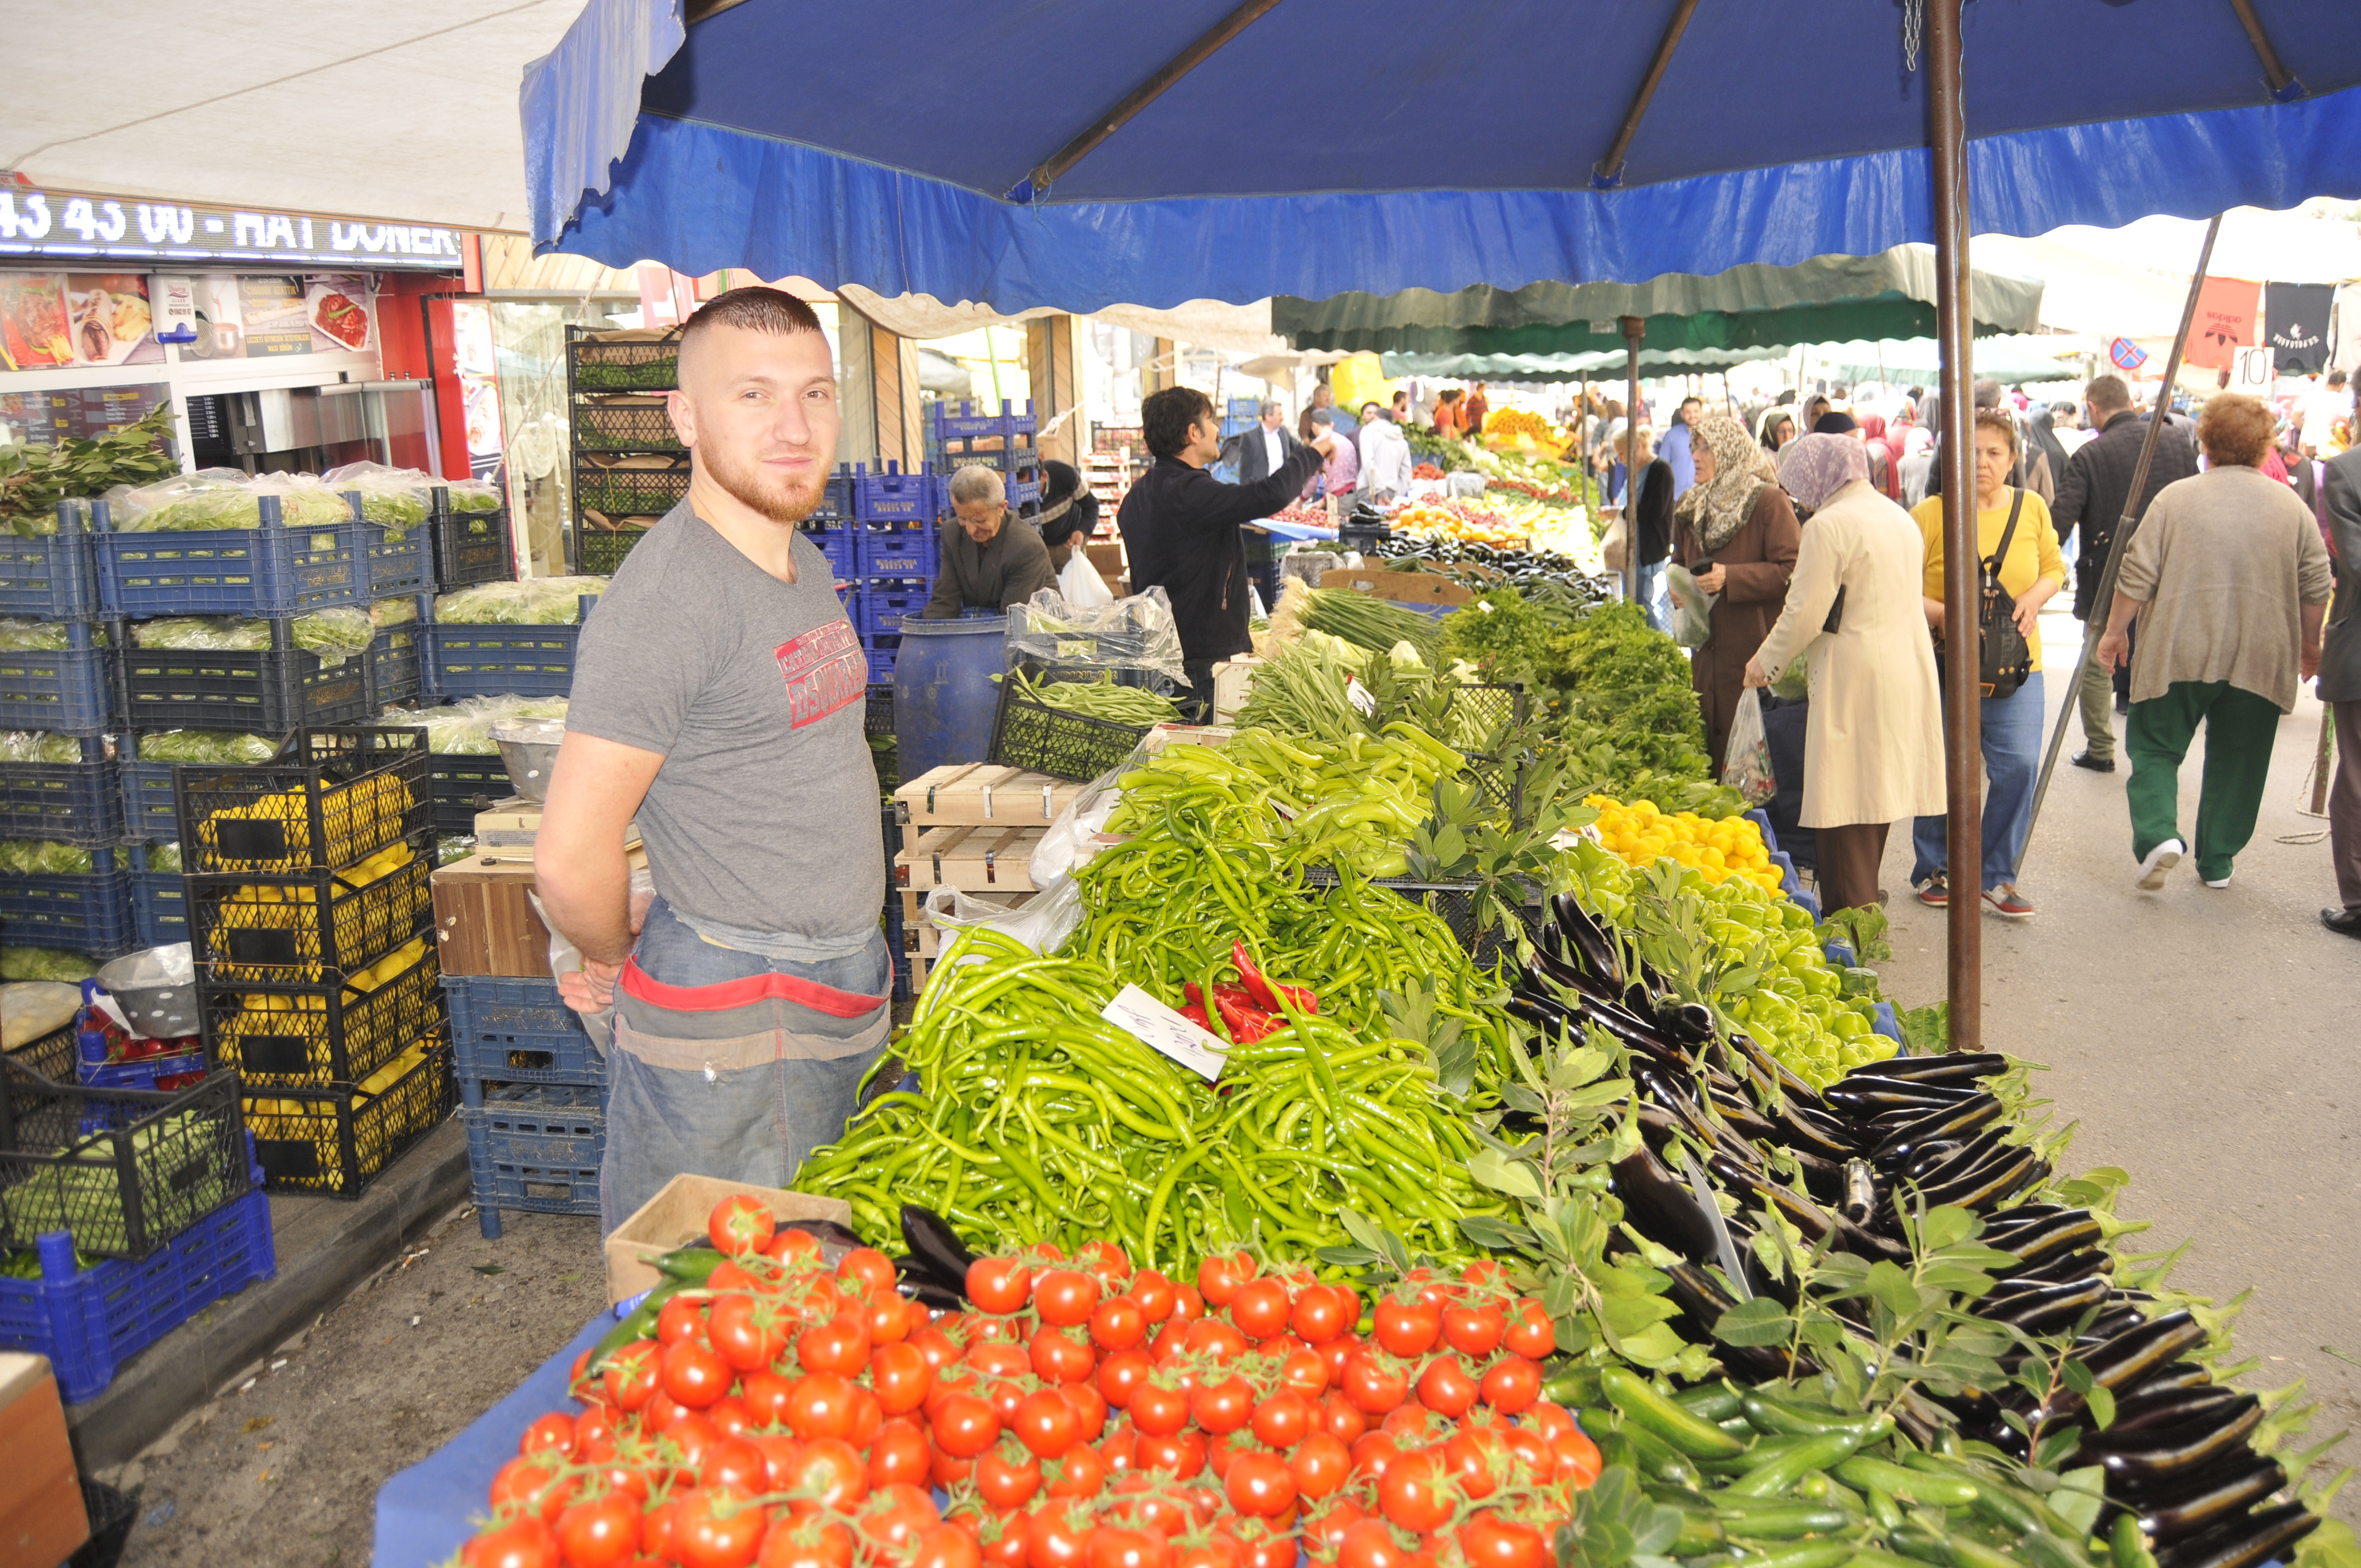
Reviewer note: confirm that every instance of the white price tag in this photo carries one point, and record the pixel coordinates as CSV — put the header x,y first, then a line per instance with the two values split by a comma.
x,y
1163,1029
1358,695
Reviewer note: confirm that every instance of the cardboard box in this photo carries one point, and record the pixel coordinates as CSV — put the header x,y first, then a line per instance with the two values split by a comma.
x,y
484,923
41,1518
678,1215
1109,559
1401,588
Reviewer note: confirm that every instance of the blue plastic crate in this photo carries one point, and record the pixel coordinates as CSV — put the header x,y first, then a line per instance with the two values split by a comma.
x,y
66,691
499,661
403,563
273,570
841,545
146,1074
516,1031
881,655
964,422
66,803
89,913
1761,819
89,1322
159,909
535,1148
262,691
1793,886
54,577
148,811
893,496
898,552
881,608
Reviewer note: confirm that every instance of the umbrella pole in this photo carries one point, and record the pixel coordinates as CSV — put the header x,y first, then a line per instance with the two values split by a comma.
x,y
1634,327
1963,715
2102,602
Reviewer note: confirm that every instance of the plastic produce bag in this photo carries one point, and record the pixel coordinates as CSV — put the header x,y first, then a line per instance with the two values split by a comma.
x,y
37,746
465,727
565,959
536,601
333,634
42,636
39,857
1043,923
1692,607
210,497
206,748
1072,837
396,499
1747,768
1135,634
398,611
43,963
33,1008
474,494
305,500
1080,584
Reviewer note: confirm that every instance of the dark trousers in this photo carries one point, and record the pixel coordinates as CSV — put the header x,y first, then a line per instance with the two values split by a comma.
x,y
2344,803
1197,703
1849,856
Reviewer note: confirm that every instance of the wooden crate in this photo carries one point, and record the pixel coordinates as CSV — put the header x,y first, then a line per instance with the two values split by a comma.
x,y
973,860
483,922
921,938
1401,588
980,795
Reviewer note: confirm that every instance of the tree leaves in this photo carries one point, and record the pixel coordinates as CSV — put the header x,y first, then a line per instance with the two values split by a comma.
x,y
1615,1523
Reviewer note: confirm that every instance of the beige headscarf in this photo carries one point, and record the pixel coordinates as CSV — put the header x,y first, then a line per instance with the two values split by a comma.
x,y
1717,508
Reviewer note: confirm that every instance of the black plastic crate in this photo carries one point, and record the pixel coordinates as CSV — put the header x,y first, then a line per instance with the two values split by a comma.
x,y
397,666
468,547
53,577
124,1169
633,365
255,929
1453,903
312,1037
600,552
268,691
333,798
1501,776
628,492
465,783
334,1141
636,424
67,803
879,718
1042,739
111,1514
52,1055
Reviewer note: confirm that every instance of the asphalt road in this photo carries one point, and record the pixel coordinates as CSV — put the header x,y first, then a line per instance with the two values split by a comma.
x,y
2208,1041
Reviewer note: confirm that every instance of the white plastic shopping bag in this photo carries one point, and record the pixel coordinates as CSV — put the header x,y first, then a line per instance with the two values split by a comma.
x,y
1747,766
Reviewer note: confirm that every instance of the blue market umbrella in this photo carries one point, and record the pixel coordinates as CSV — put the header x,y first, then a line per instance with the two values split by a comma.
x,y
1081,153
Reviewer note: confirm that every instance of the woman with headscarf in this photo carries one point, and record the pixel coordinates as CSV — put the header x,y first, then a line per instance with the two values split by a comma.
x,y
1873,738
1816,408
1736,533
1776,428
1836,422
1882,448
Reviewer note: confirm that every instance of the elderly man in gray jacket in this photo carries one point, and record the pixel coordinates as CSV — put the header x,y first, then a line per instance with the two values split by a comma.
x,y
2340,685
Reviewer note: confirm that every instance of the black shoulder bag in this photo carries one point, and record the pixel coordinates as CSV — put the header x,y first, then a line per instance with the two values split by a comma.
x,y
2005,658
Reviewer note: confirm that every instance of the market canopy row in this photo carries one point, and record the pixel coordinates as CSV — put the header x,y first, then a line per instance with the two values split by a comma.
x,y
2008,359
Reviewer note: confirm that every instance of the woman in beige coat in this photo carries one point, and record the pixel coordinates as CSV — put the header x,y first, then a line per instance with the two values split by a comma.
x,y
1873,740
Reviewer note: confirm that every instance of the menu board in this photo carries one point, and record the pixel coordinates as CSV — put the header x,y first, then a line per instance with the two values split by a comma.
x,y
51,320
272,309
43,419
267,315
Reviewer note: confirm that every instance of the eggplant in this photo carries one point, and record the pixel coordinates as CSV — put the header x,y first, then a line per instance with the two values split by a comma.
x,y
1970,1115
1588,937
1660,1208
2122,1363
1703,1301
1545,1016
932,1239
2224,1491
1633,1033
2037,1242
1860,1204
1792,1089
2153,1408
2179,1449
1991,1182
2070,1265
2244,1540
2022,1214
2043,1309
1947,1067
1807,1216
2116,1319
1690,1022
1741,1118
2180,1375
1862,1098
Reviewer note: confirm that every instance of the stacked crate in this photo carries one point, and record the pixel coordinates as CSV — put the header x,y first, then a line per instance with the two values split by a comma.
x,y
630,467
69,693
310,924
969,825
1240,415
890,547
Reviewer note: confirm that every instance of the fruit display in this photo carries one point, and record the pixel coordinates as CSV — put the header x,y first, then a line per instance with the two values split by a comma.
x,y
358,820
1639,832
1460,519
1505,427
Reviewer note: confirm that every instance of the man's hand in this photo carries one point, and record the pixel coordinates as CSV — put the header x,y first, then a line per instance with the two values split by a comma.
x,y
2310,659
1710,581
2114,650
591,988
1754,675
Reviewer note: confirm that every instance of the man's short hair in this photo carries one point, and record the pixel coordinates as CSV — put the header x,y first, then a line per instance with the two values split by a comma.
x,y
2107,394
2337,378
973,484
1165,418
1987,395
1323,418
1271,406
1372,403
1687,401
756,309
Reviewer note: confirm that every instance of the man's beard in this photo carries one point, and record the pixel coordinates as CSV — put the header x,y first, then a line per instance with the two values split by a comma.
x,y
780,498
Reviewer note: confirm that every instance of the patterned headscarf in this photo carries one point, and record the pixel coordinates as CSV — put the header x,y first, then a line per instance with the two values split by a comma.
x,y
1720,507
1813,467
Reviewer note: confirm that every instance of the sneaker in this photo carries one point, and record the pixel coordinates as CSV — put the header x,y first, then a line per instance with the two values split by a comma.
x,y
2005,900
1934,893
2158,861
2212,883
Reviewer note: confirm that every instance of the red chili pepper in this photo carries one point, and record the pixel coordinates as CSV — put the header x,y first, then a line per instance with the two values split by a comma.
x,y
1266,993
1196,1015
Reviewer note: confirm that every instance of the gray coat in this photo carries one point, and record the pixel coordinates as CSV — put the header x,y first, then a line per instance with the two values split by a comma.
x,y
2339,645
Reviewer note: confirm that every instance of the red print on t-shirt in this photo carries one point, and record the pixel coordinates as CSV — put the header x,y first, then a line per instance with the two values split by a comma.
x,y
825,671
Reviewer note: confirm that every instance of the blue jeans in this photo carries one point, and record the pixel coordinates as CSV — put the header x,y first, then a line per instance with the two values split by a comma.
x,y
2012,748
732,1065
1657,597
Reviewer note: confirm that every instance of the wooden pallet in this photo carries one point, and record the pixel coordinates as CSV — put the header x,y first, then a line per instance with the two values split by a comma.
x,y
973,860
980,795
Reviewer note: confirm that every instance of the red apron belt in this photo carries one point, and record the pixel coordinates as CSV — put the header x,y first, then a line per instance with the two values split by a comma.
x,y
746,993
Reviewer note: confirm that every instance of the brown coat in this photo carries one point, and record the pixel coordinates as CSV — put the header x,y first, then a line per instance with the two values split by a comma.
x,y
1759,558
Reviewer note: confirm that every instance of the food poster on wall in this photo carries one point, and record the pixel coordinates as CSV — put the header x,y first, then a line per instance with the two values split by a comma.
x,y
478,368
81,414
277,322
337,306
51,319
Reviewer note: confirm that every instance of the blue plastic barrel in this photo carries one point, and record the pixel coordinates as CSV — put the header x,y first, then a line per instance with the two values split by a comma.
x,y
944,695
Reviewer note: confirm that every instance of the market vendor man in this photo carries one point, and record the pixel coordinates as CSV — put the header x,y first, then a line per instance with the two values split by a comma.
x,y
1180,526
993,559
719,696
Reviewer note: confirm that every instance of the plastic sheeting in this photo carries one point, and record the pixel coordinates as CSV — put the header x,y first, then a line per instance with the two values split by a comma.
x,y
890,173
1753,307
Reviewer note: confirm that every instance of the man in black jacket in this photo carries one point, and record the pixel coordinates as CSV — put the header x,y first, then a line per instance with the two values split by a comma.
x,y
2090,496
1180,525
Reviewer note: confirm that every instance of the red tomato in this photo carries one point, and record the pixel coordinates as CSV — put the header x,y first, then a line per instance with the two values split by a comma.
x,y
1159,1409
1531,1333
522,1543
749,1335
1374,1455
1211,1336
1120,1451
1004,1483
631,1375
1532,1452
872,1267
729,1415
891,1320
1284,1419
1407,1328
820,1406
552,1433
1577,1458
840,1346
788,1244
1112,1547
655,1530
1182,1453
1489,1541
1117,1323
1478,1459
1121,1374
766,1396
1056,1536
1336,1353
740,1225
1004,1543
964,1426
716,1528
1324,1531
662,1411
1367,1543
811,1542
1187,1303
1303,1372
733,1461
1080,1472
1065,1297
1318,1314
935,1345
531,1487
1320,1465
1105,1261
1484,1272
1259,1483
1260,1308
1512,1385
899,1376
1057,1355
1154,1295
1218,1279
601,1532
834,1471
1004,1395
1415,1493
779,1451
944,1471
692,1437
895,1517
1340,1420
694,1375
998,1284
1213,1552
1090,1408
1445,1387
593,1429
864,1417
727,1276
1046,1422
1374,1384
1474,1332
995,1358
1224,1407
1551,1418
679,1318
898,1454
945,1546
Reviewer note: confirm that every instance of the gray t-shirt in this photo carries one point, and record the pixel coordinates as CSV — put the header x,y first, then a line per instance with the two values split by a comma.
x,y
764,816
